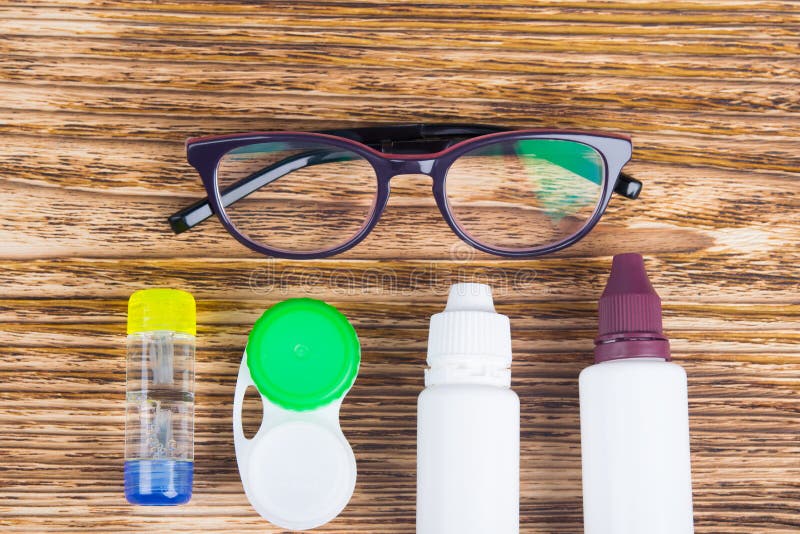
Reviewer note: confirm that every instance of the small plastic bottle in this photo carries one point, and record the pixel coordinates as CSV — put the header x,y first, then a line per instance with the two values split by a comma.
x,y
468,421
159,414
634,416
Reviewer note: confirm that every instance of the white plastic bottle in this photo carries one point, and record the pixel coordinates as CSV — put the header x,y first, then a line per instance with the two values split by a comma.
x,y
468,421
634,416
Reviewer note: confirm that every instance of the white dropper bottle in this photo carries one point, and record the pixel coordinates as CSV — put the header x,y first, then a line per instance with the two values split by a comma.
x,y
468,421
634,416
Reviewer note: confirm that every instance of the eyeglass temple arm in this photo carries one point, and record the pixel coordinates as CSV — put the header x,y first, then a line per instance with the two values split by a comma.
x,y
198,212
381,135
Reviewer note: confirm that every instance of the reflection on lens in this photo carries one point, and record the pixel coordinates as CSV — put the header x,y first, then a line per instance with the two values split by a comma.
x,y
525,194
297,197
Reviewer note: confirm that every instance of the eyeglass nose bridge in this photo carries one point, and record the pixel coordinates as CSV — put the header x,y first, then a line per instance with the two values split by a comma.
x,y
399,166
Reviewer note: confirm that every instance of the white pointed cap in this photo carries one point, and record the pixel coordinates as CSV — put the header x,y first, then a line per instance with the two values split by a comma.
x,y
469,334
470,297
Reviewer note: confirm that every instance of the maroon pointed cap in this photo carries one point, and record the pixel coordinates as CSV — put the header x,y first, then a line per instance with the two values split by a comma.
x,y
629,314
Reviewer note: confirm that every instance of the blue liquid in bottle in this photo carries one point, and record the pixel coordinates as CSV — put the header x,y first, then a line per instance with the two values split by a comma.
x,y
158,482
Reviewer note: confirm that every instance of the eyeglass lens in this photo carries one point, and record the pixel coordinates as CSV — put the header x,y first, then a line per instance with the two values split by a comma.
x,y
525,194
301,196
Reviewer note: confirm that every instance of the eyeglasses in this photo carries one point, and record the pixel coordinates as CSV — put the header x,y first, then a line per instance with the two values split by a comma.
x,y
514,193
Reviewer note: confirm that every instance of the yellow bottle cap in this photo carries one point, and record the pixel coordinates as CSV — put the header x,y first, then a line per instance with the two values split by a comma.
x,y
162,309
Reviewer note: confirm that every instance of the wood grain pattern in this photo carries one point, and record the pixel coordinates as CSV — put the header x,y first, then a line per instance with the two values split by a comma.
x,y
97,97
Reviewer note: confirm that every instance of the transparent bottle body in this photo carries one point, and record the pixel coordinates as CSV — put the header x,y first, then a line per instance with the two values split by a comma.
x,y
159,418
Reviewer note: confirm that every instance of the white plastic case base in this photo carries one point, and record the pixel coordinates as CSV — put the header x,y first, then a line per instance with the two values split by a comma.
x,y
298,471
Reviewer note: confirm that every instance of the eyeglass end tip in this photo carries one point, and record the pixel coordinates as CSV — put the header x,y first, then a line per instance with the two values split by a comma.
x,y
177,223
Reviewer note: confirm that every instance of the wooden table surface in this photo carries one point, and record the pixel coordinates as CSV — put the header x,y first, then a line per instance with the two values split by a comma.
x,y
98,96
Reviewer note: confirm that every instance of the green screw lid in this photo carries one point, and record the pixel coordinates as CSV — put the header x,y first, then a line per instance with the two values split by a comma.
x,y
303,354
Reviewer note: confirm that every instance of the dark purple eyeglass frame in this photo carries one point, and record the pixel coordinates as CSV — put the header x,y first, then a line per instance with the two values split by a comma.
x,y
392,151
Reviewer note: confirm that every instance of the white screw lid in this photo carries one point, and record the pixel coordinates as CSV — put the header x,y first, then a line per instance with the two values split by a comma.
x,y
469,342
